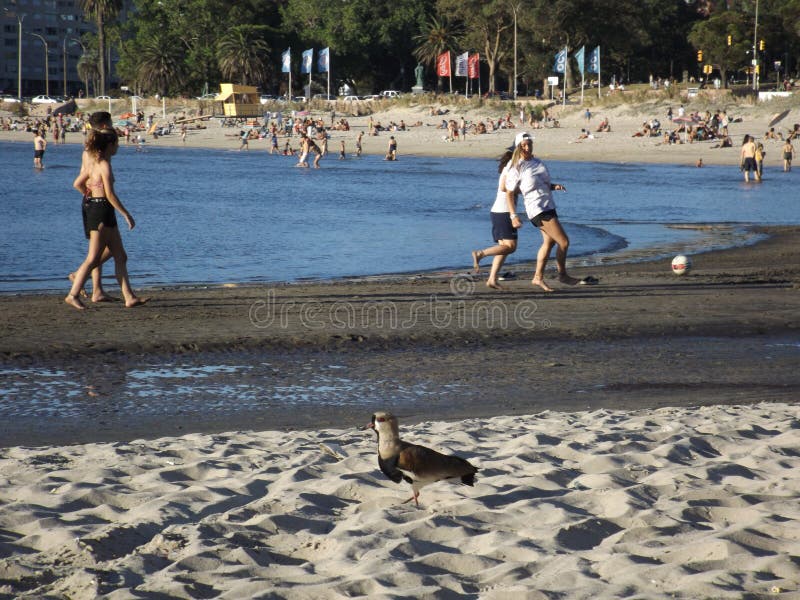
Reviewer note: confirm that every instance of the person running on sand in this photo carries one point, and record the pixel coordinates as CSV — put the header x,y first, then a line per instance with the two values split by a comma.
x,y
530,177
504,232
39,146
97,182
747,158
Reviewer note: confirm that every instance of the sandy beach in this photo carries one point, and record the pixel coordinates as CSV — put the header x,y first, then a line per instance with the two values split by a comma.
x,y
635,438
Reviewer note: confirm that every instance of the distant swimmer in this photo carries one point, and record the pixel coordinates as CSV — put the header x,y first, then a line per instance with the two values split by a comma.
x,y
341,151
39,146
391,154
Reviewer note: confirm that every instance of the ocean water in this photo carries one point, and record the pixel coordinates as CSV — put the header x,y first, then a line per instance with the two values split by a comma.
x,y
217,216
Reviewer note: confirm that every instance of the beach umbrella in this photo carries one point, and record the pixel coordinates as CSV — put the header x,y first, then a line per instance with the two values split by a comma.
x,y
777,118
685,121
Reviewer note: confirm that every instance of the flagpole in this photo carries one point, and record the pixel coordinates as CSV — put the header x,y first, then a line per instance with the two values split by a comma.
x,y
566,63
599,95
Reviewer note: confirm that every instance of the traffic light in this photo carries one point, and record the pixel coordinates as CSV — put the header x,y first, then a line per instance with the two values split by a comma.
x,y
699,56
730,40
761,45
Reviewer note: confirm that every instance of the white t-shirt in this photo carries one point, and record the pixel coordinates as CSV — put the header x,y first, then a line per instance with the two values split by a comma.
x,y
532,179
500,204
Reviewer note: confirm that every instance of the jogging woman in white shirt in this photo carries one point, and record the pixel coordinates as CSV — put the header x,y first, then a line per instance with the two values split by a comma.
x,y
530,177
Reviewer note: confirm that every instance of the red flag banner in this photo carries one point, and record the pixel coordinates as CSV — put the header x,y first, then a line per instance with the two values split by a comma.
x,y
474,66
443,64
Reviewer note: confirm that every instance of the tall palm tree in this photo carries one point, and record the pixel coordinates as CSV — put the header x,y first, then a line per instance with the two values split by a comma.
x,y
101,10
441,35
87,70
242,54
160,63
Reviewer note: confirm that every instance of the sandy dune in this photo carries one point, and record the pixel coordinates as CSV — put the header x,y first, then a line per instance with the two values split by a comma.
x,y
669,503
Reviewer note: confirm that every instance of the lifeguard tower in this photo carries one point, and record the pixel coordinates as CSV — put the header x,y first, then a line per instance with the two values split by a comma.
x,y
239,100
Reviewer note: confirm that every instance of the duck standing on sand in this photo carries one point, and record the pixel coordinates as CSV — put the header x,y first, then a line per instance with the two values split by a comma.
x,y
418,465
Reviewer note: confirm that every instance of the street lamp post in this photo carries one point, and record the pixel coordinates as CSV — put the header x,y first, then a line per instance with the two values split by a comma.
x,y
19,52
514,8
83,49
46,65
755,51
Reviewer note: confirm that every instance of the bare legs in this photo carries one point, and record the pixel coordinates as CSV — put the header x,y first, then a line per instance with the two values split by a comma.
x,y
503,249
552,235
98,293
106,238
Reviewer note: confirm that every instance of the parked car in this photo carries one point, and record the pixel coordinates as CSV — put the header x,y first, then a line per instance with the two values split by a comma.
x,y
264,98
104,98
299,99
390,94
351,99
371,97
207,97
8,98
324,97
44,100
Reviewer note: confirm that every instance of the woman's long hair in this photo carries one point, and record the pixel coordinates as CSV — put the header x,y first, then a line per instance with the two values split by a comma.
x,y
100,140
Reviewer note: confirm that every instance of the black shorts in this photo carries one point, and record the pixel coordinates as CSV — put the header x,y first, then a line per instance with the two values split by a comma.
x,y
38,153
749,164
99,212
502,229
547,215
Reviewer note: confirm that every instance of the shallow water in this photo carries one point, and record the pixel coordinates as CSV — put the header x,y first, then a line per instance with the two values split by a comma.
x,y
216,216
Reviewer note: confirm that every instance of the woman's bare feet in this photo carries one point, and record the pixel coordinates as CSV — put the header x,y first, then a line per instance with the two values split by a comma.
x,y
536,281
74,302
495,286
567,280
103,298
133,302
71,278
477,255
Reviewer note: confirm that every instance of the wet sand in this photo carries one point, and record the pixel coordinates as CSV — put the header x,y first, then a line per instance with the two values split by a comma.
x,y
725,333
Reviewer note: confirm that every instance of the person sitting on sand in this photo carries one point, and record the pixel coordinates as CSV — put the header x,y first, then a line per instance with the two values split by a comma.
x,y
643,132
725,142
604,126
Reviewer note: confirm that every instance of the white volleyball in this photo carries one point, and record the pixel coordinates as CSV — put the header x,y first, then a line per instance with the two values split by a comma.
x,y
681,264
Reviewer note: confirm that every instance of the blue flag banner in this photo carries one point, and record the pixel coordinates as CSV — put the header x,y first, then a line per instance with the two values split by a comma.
x,y
323,61
286,61
594,61
308,58
560,65
579,57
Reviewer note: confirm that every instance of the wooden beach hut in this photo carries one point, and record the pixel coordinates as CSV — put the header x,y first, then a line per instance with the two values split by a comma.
x,y
239,100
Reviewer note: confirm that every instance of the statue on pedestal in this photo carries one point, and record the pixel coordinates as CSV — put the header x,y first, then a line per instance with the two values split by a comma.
x,y
419,71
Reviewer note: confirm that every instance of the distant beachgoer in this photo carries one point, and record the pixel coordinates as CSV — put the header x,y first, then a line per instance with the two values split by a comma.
x,y
304,149
699,163
358,143
505,223
39,146
391,154
244,136
760,155
341,151
747,158
97,182
788,155
529,176
274,149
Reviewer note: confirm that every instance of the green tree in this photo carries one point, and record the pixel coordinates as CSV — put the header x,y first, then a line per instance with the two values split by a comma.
x,y
711,36
440,35
160,66
101,11
243,53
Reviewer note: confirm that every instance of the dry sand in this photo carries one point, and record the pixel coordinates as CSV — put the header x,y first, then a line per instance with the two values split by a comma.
x,y
688,492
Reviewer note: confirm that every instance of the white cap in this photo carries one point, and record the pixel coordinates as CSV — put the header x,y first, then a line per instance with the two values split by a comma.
x,y
522,135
